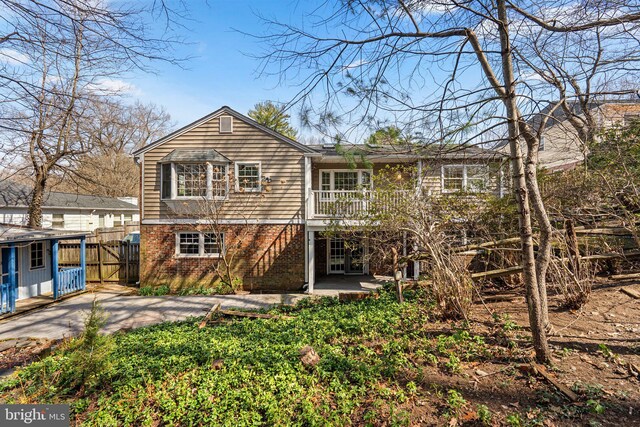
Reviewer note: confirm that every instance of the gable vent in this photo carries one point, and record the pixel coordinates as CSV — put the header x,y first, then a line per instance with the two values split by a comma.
x,y
226,124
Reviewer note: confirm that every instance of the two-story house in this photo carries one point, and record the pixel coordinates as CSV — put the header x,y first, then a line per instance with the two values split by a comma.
x,y
271,196
560,145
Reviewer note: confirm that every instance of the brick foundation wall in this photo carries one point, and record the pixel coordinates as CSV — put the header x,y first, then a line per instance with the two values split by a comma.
x,y
267,257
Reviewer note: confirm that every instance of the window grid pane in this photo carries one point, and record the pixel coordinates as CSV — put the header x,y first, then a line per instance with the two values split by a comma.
x,y
453,178
37,255
366,179
211,244
477,178
346,181
189,244
249,176
192,179
326,181
219,181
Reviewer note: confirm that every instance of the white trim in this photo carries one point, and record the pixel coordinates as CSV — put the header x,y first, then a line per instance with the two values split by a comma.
x,y
464,167
283,221
238,188
308,185
332,177
226,132
200,253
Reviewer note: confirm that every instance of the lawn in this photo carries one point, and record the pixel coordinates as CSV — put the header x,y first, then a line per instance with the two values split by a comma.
x,y
380,364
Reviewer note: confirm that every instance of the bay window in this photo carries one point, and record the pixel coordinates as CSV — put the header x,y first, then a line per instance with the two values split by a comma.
x,y
193,181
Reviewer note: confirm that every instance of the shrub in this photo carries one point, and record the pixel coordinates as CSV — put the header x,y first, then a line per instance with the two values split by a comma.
x,y
88,356
147,291
574,286
451,286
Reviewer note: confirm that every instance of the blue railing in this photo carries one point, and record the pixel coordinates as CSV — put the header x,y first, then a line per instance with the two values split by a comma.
x,y
70,280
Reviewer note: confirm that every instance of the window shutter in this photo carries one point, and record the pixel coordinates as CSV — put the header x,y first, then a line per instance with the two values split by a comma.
x,y
166,181
226,124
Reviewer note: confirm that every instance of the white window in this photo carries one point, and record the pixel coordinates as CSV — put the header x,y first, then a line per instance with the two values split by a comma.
x,y
472,178
344,180
541,144
196,244
248,176
37,255
193,181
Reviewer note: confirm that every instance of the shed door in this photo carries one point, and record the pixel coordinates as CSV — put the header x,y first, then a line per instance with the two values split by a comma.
x,y
5,266
7,296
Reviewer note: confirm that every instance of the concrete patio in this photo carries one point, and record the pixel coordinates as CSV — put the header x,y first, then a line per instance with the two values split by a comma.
x,y
332,285
65,318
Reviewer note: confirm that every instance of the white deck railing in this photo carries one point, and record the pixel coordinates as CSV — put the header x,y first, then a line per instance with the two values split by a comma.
x,y
353,204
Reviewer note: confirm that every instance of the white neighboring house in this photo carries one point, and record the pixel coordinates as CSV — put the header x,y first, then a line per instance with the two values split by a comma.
x,y
66,211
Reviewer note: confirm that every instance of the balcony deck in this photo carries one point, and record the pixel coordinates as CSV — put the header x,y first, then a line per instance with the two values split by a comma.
x,y
353,204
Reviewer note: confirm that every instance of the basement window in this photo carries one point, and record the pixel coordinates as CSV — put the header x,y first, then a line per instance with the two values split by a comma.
x,y
199,244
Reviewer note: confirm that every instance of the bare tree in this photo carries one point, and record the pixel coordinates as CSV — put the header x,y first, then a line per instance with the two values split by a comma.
x,y
411,62
62,57
113,129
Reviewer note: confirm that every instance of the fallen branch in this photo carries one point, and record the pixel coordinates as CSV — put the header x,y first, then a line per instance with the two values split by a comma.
x,y
207,318
557,384
491,274
625,276
252,314
633,294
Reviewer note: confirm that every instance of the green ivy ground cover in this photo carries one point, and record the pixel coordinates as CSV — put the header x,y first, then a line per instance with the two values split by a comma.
x,y
165,374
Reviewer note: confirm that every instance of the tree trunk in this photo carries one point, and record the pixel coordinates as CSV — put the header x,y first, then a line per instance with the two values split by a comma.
x,y
396,270
546,233
521,193
37,200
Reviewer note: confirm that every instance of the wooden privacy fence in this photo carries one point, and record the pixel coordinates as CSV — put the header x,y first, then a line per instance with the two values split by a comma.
x,y
112,233
107,262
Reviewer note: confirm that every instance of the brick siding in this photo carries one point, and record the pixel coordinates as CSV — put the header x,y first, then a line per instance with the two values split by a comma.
x,y
267,257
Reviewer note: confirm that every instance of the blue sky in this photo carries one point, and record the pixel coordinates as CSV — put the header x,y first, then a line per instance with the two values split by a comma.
x,y
221,71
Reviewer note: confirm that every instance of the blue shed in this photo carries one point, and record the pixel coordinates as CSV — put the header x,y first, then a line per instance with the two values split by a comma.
x,y
29,265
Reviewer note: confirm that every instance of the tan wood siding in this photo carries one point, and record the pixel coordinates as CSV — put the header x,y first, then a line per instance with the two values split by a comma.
x,y
284,164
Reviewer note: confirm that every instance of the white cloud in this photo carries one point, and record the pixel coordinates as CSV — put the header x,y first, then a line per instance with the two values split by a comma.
x,y
354,64
113,86
13,57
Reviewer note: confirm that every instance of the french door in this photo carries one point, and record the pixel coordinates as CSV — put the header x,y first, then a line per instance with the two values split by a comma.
x,y
346,257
